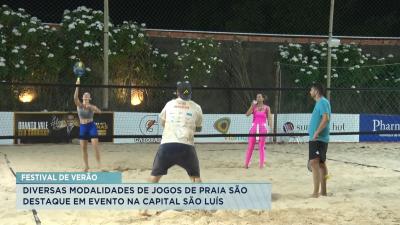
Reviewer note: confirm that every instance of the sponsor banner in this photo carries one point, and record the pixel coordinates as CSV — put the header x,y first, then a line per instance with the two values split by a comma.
x,y
298,123
130,123
225,124
382,123
57,127
6,127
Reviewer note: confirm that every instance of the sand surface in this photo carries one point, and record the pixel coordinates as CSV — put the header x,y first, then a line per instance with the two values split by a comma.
x,y
364,187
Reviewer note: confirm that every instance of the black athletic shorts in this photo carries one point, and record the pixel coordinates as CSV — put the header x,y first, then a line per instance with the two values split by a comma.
x,y
317,149
170,154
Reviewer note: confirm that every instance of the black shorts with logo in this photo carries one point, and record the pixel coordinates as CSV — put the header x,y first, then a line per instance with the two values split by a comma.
x,y
170,154
317,149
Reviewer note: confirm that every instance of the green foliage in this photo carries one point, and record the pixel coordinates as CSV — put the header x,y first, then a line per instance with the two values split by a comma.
x,y
198,60
351,68
28,48
31,51
133,60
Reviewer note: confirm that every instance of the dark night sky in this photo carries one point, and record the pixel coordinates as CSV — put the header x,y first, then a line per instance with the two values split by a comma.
x,y
157,12
352,17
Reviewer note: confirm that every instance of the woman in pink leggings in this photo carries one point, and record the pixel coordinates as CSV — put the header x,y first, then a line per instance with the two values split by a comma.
x,y
261,114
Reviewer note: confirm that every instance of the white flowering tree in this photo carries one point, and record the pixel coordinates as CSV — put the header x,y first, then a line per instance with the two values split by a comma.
x,y
131,55
302,65
29,49
13,61
33,51
351,68
198,60
82,32
3,52
133,59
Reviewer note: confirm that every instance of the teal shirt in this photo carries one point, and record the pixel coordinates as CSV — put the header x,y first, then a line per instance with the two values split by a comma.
x,y
321,106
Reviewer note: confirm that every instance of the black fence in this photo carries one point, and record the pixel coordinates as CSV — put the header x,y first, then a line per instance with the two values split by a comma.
x,y
59,97
351,17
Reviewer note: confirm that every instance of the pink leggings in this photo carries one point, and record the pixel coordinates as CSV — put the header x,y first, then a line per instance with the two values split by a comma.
x,y
252,142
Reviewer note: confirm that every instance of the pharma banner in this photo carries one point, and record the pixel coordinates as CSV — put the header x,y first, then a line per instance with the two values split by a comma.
x,y
380,123
57,127
106,191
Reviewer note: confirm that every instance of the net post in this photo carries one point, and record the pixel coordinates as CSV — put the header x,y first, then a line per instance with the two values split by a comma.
x,y
277,97
329,59
106,49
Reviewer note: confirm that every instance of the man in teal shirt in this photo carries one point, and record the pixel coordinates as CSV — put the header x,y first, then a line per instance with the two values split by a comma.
x,y
318,130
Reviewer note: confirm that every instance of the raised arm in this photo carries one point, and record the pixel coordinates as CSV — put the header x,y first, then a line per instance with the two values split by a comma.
x,y
250,110
76,98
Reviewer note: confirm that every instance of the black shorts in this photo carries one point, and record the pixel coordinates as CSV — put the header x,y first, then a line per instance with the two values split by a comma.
x,y
317,149
170,154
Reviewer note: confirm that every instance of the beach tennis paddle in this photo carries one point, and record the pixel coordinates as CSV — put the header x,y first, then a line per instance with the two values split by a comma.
x,y
79,69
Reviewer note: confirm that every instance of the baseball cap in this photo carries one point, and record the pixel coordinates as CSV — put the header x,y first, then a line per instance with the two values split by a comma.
x,y
184,90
